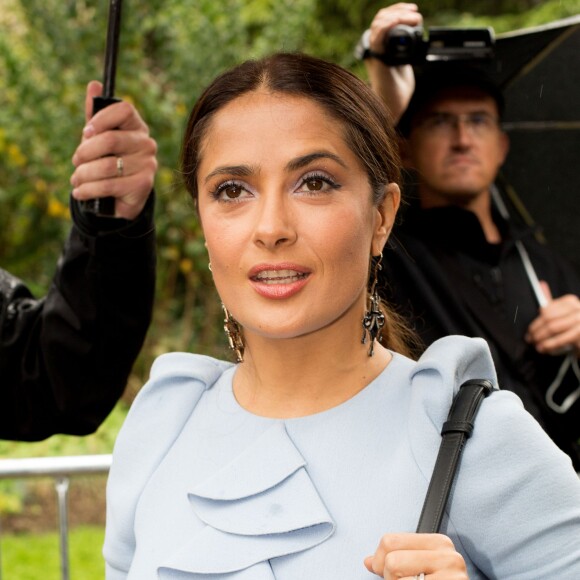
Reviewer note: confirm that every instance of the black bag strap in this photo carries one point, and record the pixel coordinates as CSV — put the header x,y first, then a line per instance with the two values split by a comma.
x,y
455,431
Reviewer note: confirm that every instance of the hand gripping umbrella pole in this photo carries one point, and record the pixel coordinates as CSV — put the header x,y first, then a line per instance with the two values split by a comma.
x,y
570,362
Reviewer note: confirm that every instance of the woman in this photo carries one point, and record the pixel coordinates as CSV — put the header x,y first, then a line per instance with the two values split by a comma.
x,y
315,448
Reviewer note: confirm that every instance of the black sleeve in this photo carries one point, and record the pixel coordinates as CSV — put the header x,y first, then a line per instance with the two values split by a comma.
x,y
65,359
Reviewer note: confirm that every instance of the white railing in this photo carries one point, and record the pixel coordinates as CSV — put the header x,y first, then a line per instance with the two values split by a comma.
x,y
61,469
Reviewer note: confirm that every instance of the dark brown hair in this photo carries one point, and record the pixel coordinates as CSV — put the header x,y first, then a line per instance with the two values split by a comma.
x,y
368,130
437,77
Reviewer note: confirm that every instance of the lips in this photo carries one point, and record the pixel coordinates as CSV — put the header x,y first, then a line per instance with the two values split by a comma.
x,y
279,276
461,160
280,281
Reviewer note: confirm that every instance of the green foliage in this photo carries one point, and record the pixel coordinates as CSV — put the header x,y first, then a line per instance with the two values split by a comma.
x,y
34,556
505,21
170,49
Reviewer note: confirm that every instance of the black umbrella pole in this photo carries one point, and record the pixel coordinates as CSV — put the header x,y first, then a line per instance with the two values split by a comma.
x,y
105,206
112,49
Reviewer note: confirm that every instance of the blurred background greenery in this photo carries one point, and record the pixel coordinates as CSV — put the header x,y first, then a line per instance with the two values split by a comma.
x,y
170,49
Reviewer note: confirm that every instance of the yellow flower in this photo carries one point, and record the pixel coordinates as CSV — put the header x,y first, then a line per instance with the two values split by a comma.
x,y
57,209
186,265
15,155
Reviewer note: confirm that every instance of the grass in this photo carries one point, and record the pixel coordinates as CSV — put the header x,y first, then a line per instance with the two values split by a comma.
x,y
35,556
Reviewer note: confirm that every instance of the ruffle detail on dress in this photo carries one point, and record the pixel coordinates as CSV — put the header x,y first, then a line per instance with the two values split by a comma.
x,y
260,506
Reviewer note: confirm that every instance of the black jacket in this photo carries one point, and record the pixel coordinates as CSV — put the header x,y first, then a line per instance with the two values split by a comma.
x,y
65,359
445,278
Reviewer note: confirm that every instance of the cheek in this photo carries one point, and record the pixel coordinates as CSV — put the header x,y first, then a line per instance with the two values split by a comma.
x,y
495,155
426,156
223,241
346,240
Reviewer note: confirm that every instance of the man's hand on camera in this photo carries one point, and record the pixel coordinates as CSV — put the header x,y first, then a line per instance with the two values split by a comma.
x,y
387,18
394,84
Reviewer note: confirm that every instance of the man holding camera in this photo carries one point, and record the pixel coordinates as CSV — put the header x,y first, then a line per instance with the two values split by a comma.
x,y
455,264
65,359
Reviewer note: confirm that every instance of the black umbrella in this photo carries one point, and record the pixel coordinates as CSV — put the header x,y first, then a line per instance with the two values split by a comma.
x,y
539,71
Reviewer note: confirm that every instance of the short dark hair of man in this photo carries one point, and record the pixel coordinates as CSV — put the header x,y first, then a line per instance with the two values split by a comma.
x,y
438,77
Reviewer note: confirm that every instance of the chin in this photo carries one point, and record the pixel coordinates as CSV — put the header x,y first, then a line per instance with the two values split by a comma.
x,y
273,331
460,189
287,330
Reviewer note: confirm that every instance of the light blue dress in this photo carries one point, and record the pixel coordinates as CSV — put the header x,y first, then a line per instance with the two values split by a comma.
x,y
201,489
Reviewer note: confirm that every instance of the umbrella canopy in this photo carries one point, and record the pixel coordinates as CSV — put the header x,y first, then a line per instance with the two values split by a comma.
x,y
539,71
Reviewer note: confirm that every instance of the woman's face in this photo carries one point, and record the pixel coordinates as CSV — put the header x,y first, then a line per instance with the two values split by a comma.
x,y
287,215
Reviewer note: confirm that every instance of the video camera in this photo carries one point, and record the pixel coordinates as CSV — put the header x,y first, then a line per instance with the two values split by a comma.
x,y
407,45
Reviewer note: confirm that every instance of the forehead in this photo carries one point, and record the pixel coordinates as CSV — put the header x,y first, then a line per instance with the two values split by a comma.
x,y
262,126
266,112
460,100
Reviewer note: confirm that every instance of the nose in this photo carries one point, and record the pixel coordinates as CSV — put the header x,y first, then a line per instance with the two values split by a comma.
x,y
463,133
274,225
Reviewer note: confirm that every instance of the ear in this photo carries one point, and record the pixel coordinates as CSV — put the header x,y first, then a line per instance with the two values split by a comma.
x,y
385,217
504,146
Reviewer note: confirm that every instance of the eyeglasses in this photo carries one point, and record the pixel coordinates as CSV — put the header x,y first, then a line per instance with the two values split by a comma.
x,y
479,124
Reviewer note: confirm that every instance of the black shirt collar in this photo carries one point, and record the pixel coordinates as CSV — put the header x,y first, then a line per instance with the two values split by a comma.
x,y
455,228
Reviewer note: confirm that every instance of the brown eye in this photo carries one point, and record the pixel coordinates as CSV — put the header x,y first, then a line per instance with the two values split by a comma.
x,y
232,191
315,184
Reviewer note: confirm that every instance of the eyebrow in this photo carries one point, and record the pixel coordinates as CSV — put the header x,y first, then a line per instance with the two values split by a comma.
x,y
298,163
305,160
233,170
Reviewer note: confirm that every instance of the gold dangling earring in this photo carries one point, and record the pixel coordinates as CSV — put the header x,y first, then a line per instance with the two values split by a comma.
x,y
234,334
374,319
